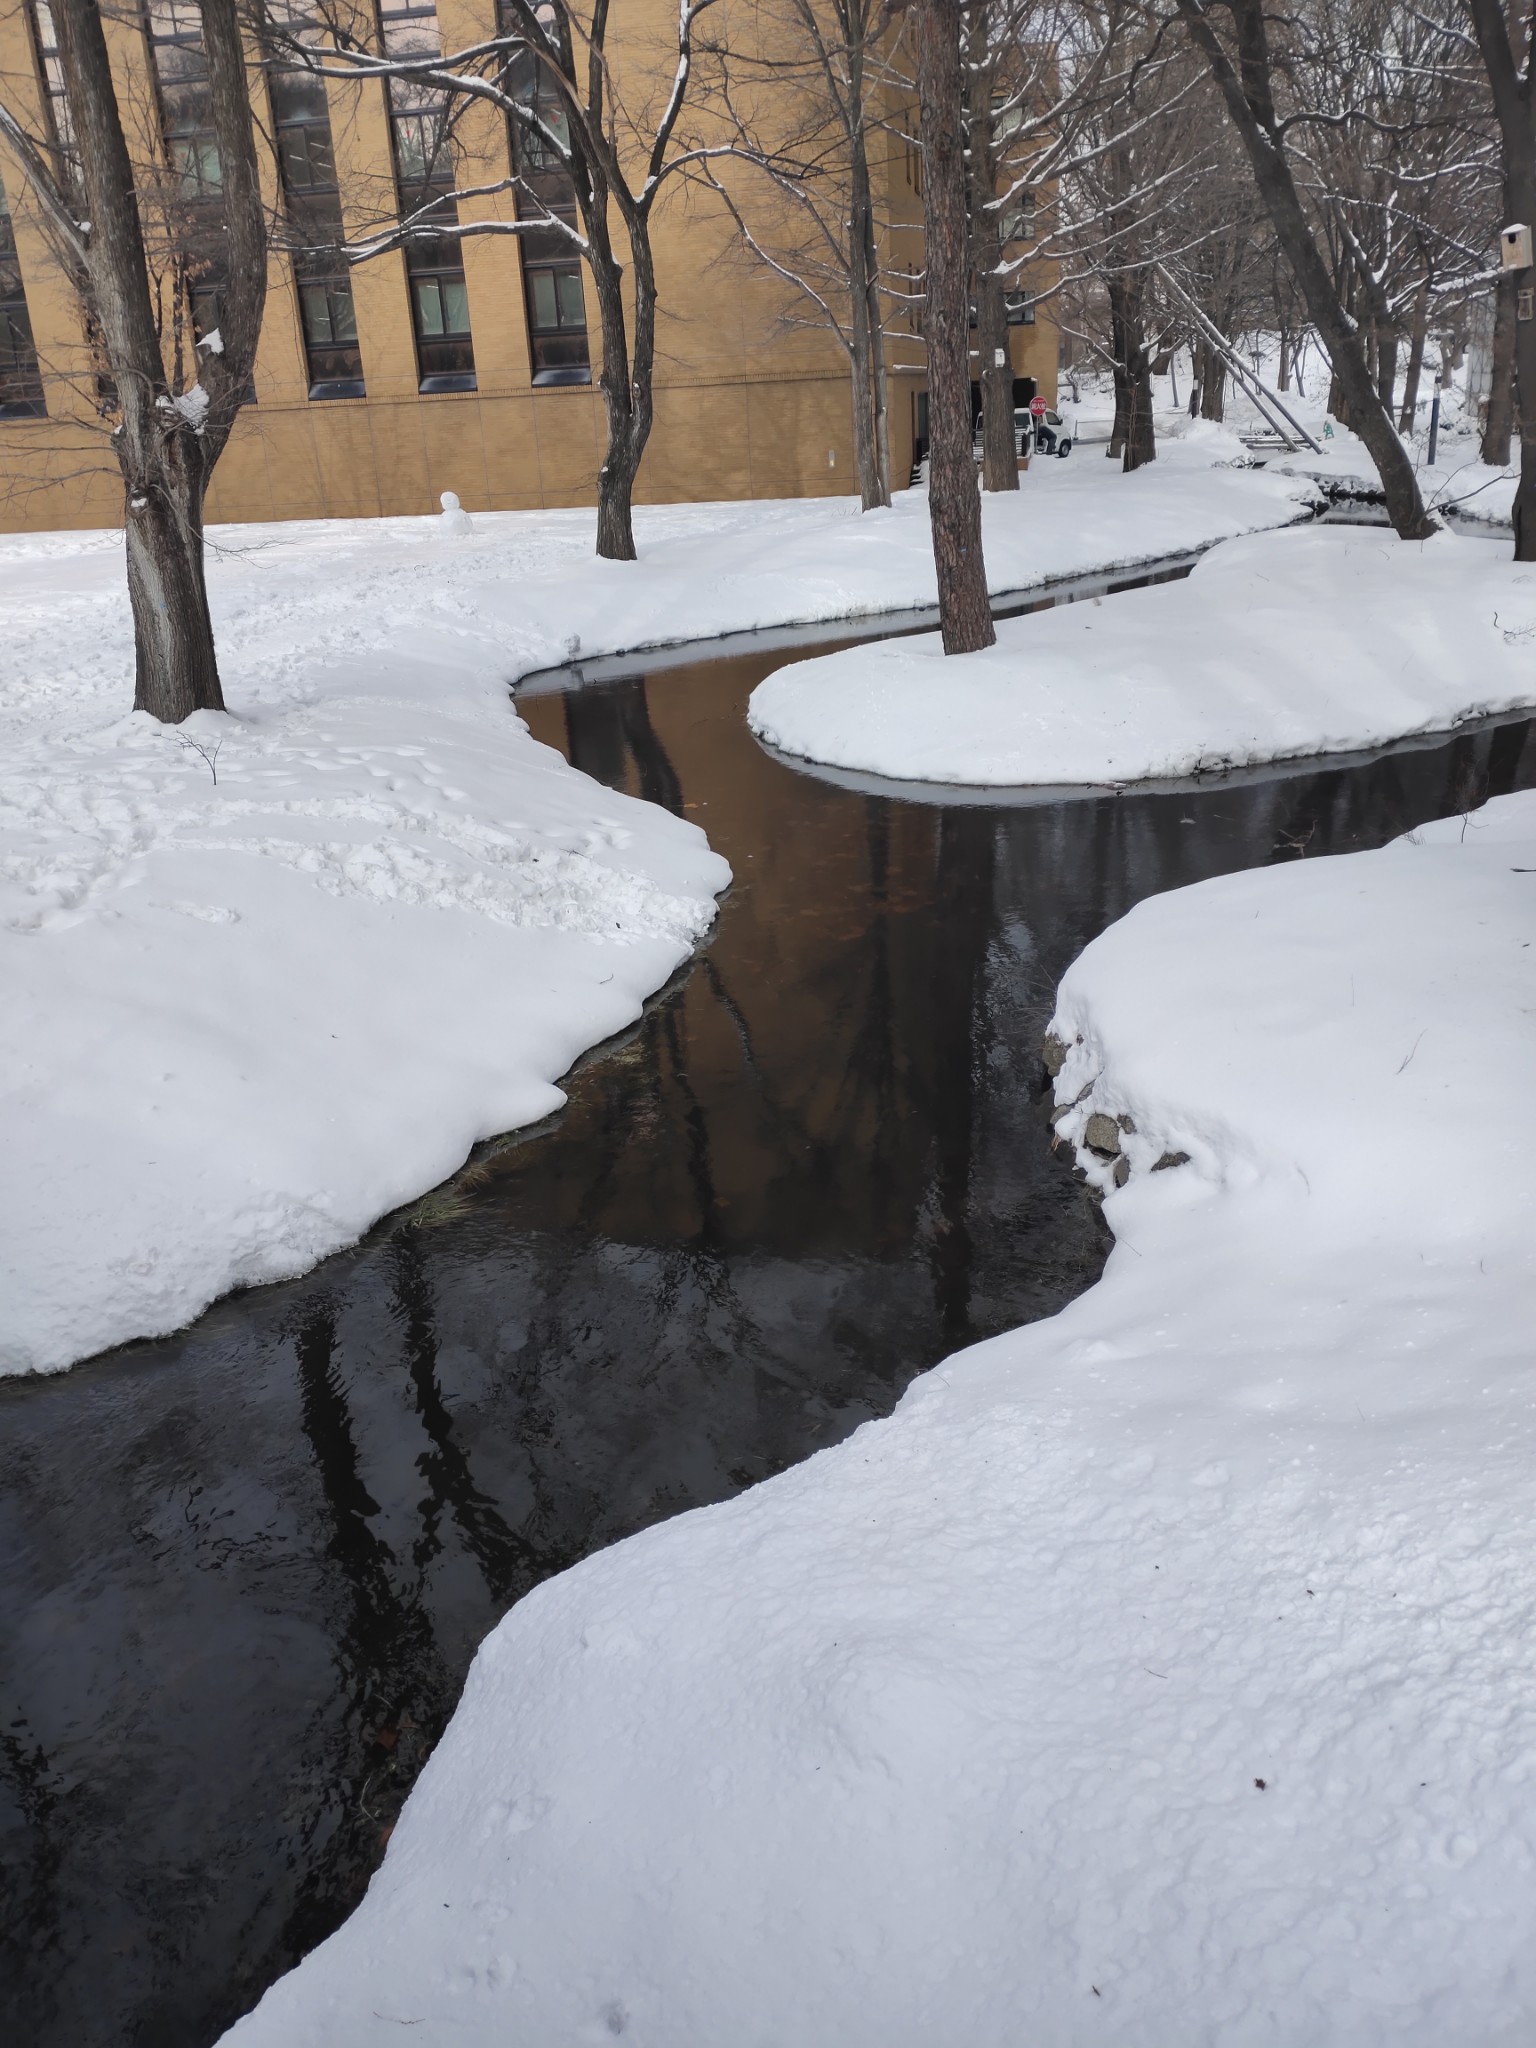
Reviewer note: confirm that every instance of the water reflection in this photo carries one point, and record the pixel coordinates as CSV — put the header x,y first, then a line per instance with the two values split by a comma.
x,y
248,1566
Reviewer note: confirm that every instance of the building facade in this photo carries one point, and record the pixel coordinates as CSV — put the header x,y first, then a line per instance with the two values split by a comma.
x,y
462,363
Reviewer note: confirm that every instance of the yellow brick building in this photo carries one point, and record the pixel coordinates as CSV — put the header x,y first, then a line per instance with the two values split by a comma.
x,y
380,388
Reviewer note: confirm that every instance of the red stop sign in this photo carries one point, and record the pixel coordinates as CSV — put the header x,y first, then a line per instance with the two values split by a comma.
x,y
1038,407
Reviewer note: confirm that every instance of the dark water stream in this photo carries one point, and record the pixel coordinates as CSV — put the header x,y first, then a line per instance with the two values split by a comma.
x,y
245,1568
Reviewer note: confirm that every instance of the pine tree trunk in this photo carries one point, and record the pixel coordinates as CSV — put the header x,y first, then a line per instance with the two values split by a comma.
x,y
954,503
1500,423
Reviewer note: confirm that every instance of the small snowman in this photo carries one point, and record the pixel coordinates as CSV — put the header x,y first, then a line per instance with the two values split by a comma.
x,y
454,520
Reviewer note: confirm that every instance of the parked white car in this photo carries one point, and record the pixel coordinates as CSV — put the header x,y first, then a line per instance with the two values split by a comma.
x,y
1047,433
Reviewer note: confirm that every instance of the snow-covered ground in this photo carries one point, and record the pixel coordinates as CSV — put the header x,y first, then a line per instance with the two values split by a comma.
x,y
1158,1673
243,1018
246,1016
1459,481
1321,640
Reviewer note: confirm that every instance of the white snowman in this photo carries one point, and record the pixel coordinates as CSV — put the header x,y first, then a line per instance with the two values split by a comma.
x,y
454,519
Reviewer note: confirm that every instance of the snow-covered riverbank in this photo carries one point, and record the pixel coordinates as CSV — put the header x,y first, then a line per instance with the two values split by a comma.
x,y
246,1017
1156,1673
1281,645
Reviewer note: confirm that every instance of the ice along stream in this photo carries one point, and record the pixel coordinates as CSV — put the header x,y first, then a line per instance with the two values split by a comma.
x,y
246,1567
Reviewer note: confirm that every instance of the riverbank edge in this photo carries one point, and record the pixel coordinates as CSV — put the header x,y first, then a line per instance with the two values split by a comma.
x,y
1164,1742
1228,673
1199,499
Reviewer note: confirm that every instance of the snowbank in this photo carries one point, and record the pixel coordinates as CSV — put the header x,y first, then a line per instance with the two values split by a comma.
x,y
1155,1674
246,1017
1286,644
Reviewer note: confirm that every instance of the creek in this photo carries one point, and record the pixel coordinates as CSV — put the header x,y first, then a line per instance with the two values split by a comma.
x,y
247,1566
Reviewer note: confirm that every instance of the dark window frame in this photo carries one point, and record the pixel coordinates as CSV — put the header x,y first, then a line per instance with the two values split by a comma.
x,y
559,351
178,69
21,376
445,359
300,115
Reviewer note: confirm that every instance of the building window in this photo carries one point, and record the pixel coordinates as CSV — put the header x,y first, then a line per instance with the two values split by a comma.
x,y
1016,221
1021,309
557,323
45,43
558,347
1007,117
306,160
173,30
21,383
419,120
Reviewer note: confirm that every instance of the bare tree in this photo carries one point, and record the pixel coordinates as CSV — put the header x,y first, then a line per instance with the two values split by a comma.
x,y
798,89
168,433
1141,147
1245,78
1031,68
608,120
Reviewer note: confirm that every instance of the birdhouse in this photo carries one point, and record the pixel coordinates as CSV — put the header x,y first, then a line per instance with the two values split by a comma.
x,y
1515,246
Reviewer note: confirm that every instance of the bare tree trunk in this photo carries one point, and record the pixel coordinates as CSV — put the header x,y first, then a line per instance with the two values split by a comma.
x,y
999,459
1120,351
625,382
876,325
1514,101
1338,401
882,406
866,467
999,452
1213,387
165,452
1386,366
1140,438
863,296
1415,370
865,455
176,670
1250,103
626,440
1500,423
954,503
1514,98
1283,376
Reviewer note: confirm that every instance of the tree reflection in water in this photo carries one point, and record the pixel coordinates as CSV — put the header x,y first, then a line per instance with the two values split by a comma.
x,y
248,1566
